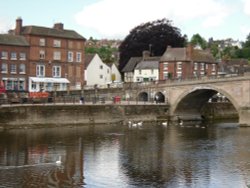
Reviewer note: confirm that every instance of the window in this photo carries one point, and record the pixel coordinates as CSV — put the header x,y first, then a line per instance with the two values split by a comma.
x,y
179,66
78,57
4,55
101,67
57,55
213,67
202,66
101,76
139,71
22,56
22,68
56,71
195,66
4,68
21,84
57,43
165,66
42,54
13,56
40,70
42,42
12,68
70,56
165,75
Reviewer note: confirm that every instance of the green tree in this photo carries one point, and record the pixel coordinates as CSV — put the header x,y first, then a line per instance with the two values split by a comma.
x,y
154,36
106,53
197,40
247,43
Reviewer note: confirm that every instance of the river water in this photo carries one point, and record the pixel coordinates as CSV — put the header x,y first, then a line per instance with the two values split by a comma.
x,y
217,156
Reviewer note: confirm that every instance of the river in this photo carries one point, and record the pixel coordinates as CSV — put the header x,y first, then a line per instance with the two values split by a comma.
x,y
211,156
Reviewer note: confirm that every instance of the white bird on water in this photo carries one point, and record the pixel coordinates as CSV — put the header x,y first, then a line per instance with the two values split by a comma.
x,y
59,161
134,125
165,124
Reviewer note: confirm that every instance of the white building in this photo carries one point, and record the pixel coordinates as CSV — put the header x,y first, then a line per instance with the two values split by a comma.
x,y
96,72
115,74
147,70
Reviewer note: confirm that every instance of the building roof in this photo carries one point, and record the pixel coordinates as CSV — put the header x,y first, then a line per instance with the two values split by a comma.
x,y
202,56
174,54
14,40
130,66
53,32
187,54
147,65
88,59
133,61
236,62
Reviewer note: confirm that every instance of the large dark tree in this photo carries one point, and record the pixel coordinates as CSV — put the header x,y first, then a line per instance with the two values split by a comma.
x,y
154,36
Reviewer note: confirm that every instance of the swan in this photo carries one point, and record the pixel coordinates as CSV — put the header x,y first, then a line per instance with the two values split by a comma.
x,y
139,124
59,161
165,124
181,122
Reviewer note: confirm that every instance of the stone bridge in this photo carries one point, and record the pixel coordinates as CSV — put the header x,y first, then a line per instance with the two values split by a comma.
x,y
186,98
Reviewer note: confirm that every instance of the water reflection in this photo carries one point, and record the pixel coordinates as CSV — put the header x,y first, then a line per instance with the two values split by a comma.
x,y
117,156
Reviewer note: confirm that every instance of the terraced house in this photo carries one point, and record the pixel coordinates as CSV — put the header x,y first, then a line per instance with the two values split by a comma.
x,y
36,58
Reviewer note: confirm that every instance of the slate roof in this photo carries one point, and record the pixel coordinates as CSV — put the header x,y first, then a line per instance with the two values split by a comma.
x,y
174,54
9,39
88,59
130,66
181,54
44,31
134,61
147,65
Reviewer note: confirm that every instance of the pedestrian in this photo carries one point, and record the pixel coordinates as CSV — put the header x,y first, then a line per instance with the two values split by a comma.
x,y
81,100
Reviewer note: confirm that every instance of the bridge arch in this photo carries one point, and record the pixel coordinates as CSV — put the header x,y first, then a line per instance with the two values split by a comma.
x,y
143,96
160,97
190,102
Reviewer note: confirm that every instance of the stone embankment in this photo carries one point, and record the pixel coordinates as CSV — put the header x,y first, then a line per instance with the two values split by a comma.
x,y
36,116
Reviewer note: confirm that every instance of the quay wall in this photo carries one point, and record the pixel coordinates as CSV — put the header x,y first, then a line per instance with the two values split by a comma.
x,y
58,115
32,116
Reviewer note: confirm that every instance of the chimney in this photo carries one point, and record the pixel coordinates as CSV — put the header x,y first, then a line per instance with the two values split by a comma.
x,y
19,24
145,54
189,51
58,26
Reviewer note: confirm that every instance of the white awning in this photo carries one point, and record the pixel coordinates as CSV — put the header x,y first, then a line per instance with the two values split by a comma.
x,y
49,80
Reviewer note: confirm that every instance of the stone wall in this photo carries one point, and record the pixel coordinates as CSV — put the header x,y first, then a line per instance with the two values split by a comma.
x,y
58,115
220,110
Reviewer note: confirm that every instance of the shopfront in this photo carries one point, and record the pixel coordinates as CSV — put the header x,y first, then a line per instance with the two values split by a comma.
x,y
37,84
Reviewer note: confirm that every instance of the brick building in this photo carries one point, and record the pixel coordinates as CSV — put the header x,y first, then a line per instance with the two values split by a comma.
x,y
14,53
54,57
187,62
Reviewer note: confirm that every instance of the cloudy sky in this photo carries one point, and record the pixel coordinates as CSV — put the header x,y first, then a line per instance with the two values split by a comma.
x,y
114,19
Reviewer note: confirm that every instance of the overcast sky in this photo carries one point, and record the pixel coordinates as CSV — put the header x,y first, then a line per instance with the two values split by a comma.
x,y
114,19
